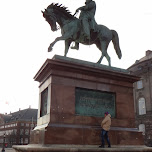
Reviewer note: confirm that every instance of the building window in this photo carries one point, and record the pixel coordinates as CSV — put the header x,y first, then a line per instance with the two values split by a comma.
x,y
139,84
142,107
32,125
139,67
21,131
22,124
27,125
44,98
142,128
21,140
12,125
26,131
26,141
15,131
14,140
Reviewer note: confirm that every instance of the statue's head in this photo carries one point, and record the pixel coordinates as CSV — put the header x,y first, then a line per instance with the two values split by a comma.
x,y
88,1
49,15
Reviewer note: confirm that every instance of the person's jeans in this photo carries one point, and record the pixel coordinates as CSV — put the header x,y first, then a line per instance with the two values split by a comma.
x,y
105,134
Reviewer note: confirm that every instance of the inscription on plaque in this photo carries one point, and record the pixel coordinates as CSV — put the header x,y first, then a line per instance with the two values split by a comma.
x,y
94,103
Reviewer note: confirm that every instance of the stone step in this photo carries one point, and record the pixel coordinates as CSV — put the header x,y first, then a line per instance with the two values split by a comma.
x,y
80,148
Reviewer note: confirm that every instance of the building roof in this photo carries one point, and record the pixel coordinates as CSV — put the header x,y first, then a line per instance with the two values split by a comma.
x,y
147,56
22,115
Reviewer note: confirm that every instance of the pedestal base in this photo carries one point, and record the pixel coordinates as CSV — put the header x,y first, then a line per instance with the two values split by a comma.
x,y
80,148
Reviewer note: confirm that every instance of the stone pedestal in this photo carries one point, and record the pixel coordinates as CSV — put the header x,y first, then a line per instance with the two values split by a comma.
x,y
59,119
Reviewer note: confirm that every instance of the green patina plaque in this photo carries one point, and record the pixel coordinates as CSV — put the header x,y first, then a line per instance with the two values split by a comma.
x,y
94,103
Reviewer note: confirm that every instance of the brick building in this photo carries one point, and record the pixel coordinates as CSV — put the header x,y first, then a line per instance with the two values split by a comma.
x,y
143,95
17,126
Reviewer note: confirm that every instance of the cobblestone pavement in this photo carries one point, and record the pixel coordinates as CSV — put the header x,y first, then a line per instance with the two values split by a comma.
x,y
8,150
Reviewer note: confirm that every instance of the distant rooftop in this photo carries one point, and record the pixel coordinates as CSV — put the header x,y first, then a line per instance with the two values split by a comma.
x,y
148,55
25,115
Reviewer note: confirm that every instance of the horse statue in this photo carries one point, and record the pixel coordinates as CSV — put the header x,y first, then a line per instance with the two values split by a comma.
x,y
71,31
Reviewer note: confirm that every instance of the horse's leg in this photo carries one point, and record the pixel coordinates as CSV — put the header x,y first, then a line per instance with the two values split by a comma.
x,y
67,45
108,59
98,44
103,48
63,37
99,61
52,44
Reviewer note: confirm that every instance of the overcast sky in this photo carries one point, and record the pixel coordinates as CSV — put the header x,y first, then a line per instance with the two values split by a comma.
x,y
25,37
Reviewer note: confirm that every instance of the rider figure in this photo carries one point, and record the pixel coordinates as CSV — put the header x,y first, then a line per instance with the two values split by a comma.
x,y
87,18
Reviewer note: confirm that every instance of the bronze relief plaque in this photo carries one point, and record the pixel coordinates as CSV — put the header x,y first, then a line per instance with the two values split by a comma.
x,y
94,103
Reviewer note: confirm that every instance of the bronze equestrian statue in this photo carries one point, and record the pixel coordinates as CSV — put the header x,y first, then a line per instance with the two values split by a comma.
x,y
74,29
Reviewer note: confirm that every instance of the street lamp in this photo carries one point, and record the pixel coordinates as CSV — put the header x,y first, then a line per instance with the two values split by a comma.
x,y
3,149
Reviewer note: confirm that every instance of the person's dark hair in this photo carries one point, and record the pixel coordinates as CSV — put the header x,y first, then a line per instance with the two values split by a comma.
x,y
106,113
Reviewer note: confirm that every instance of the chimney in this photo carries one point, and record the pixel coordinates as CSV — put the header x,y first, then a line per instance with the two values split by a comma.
x,y
137,61
148,52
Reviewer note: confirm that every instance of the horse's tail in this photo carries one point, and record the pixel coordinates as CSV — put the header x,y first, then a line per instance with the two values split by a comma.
x,y
115,40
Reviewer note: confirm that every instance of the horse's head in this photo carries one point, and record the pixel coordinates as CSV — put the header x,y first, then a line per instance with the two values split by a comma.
x,y
50,17
56,13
